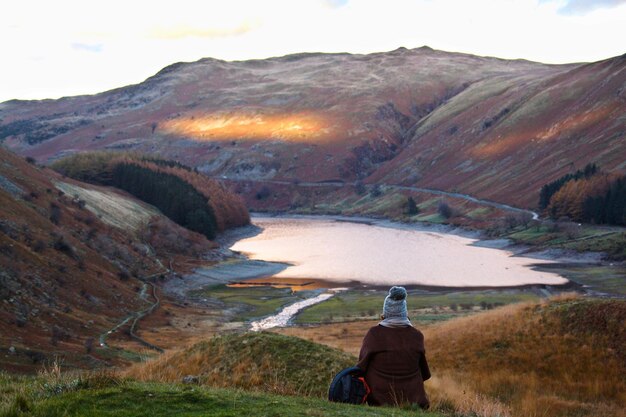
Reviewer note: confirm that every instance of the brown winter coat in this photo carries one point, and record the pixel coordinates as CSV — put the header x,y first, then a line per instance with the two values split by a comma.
x,y
395,365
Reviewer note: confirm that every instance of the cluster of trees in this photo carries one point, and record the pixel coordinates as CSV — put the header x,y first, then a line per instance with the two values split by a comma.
x,y
610,207
548,190
176,198
228,209
599,199
588,196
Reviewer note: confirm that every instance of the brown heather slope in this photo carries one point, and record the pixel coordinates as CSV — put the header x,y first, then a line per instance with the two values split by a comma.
x,y
493,128
70,258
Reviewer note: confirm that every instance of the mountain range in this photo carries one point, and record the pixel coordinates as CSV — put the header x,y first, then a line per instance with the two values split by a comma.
x,y
492,128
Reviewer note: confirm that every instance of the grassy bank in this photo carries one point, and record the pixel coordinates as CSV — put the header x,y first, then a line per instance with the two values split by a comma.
x,y
131,398
250,302
423,307
608,279
571,236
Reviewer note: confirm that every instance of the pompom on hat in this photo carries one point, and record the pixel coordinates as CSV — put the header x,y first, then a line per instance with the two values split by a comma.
x,y
395,303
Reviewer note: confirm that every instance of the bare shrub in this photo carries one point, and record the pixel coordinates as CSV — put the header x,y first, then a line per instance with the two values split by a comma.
x,y
571,230
63,246
552,226
375,191
55,213
263,193
59,335
360,188
510,221
39,245
89,344
445,210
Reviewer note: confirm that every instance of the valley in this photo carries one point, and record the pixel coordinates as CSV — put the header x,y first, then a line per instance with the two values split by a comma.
x,y
134,276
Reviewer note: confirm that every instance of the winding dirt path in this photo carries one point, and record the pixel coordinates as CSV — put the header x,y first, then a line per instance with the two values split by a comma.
x,y
138,315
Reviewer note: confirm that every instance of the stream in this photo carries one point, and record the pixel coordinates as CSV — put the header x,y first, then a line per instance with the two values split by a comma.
x,y
287,313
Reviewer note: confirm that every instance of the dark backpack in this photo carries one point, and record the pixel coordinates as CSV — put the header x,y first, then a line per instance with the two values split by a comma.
x,y
349,386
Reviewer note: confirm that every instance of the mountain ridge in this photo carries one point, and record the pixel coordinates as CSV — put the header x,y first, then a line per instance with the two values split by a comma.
x,y
417,117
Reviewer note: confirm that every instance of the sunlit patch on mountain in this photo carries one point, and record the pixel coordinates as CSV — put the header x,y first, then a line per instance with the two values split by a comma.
x,y
299,127
571,125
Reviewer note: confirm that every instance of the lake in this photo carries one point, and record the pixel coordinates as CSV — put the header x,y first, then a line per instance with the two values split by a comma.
x,y
385,253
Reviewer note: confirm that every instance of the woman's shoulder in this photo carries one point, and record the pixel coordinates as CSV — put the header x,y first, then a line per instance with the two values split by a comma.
x,y
417,332
375,329
379,328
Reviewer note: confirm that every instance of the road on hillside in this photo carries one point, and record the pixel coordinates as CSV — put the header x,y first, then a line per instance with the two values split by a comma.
x,y
340,184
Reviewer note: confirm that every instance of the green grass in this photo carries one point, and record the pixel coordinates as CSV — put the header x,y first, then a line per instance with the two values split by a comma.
x,y
360,305
613,244
529,235
587,238
479,213
251,302
391,201
25,397
431,218
159,400
602,278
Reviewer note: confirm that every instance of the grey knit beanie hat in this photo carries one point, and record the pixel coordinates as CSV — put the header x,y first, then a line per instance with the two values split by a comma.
x,y
395,303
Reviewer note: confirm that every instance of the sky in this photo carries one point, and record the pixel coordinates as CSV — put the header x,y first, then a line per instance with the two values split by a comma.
x,y
58,48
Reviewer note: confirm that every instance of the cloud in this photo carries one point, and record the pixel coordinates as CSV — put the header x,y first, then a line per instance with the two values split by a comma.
x,y
187,31
337,3
95,48
582,7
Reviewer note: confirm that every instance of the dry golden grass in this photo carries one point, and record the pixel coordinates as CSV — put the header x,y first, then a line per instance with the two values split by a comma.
x,y
344,336
540,359
448,394
561,357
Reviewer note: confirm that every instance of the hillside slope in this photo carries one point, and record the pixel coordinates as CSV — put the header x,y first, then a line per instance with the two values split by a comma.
x,y
493,128
72,260
559,357
566,357
562,357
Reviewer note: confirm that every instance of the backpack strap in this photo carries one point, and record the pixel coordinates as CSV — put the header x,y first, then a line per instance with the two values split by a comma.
x,y
367,389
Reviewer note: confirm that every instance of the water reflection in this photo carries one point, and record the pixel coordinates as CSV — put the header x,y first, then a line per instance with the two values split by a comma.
x,y
376,255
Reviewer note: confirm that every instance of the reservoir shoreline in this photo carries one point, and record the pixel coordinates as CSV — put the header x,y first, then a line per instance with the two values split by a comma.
x,y
322,248
239,269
